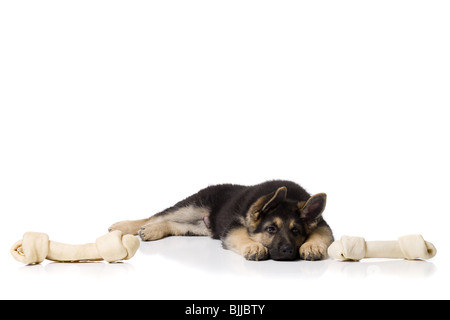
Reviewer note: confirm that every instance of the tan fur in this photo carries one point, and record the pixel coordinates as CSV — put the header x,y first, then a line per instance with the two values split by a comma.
x,y
261,237
278,222
266,239
317,244
193,220
301,204
186,220
291,224
253,214
128,226
239,241
183,221
252,217
281,189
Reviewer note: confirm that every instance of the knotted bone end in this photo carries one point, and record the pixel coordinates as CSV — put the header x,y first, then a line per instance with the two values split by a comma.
x,y
33,248
115,246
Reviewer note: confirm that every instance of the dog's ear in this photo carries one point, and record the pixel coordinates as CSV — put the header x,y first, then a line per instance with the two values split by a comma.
x,y
313,208
267,202
276,197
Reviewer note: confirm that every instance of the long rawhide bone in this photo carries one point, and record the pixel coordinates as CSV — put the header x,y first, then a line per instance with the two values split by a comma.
x,y
36,246
409,247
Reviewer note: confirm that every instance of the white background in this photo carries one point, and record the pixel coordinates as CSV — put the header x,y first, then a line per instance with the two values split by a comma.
x,y
113,110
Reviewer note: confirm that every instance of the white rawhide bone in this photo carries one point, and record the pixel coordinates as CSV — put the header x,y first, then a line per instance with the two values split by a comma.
x,y
409,247
36,246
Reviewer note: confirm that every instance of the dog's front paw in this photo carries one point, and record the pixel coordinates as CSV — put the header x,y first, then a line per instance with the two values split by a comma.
x,y
255,251
313,251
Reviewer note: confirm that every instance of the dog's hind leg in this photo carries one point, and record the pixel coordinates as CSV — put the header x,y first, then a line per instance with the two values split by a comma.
x,y
188,220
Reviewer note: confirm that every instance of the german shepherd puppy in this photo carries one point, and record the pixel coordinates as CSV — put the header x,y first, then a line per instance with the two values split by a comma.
x,y
275,219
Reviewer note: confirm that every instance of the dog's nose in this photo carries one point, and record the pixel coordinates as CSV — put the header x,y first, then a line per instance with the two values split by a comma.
x,y
286,250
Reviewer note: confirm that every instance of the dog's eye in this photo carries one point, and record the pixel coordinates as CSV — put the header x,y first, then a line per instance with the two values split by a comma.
x,y
295,230
271,229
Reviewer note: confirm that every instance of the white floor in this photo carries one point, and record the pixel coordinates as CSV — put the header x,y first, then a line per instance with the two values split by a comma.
x,y
111,110
198,268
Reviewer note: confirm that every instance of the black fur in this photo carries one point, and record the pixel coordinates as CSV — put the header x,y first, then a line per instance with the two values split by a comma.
x,y
276,219
229,202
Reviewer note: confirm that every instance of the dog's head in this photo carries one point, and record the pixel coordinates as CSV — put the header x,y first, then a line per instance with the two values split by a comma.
x,y
282,225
